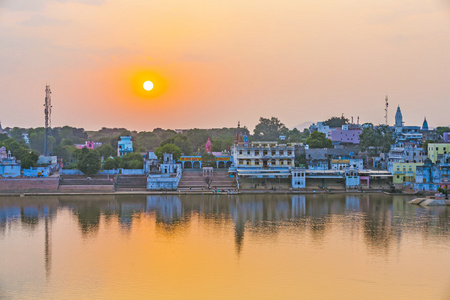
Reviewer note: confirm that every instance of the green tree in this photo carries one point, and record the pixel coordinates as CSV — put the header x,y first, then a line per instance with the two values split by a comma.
x,y
441,129
181,141
336,121
89,162
300,160
76,135
16,133
111,163
164,134
146,141
131,161
106,151
198,138
219,145
318,140
208,160
294,136
3,136
29,160
168,148
269,129
379,137
66,152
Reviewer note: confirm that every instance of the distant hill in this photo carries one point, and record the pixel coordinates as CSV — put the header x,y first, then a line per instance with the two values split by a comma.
x,y
303,125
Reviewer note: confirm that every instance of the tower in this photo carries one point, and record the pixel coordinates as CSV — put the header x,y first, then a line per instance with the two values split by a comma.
x,y
238,138
425,124
398,118
48,119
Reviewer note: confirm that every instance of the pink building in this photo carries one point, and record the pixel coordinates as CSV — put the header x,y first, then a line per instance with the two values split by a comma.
x,y
89,144
447,137
345,136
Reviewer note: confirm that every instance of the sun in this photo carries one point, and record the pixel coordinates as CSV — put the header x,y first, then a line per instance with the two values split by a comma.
x,y
148,85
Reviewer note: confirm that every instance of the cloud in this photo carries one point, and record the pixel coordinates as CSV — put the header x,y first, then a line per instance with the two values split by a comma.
x,y
35,5
40,20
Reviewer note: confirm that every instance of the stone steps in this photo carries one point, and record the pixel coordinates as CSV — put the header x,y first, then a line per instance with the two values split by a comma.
x,y
131,182
195,181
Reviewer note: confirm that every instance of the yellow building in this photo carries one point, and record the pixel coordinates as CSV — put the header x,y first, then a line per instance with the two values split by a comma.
x,y
404,172
436,150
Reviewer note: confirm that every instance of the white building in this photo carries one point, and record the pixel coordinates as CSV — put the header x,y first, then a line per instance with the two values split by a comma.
x,y
263,155
320,127
298,178
352,163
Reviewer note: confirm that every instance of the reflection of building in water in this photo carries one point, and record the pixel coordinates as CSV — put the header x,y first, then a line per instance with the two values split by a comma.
x,y
31,215
298,208
127,210
168,208
352,202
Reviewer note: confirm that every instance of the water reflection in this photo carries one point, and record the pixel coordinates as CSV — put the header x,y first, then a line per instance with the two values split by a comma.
x,y
381,222
382,218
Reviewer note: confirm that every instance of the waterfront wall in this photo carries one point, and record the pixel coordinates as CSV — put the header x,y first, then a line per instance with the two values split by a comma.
x,y
163,181
28,184
71,172
84,188
106,172
133,172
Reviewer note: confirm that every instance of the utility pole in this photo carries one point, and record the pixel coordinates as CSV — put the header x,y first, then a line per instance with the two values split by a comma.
x,y
386,111
48,119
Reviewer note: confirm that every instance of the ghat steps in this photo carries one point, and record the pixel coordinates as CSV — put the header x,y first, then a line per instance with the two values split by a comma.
x,y
195,180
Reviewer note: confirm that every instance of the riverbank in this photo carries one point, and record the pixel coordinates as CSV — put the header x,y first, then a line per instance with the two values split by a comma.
x,y
196,192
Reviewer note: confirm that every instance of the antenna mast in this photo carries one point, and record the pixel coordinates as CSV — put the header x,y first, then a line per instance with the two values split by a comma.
x,y
48,119
386,111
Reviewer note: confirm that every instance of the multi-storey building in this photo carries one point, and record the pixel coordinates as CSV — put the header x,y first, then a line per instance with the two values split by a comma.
x,y
348,134
404,172
352,163
436,151
125,146
263,155
408,154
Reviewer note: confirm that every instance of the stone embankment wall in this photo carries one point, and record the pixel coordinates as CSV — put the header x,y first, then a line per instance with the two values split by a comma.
x,y
29,184
85,188
265,184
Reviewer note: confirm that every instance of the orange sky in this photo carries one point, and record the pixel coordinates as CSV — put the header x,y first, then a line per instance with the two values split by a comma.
x,y
223,61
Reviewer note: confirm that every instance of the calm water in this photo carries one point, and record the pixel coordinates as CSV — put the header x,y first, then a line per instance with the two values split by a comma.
x,y
223,247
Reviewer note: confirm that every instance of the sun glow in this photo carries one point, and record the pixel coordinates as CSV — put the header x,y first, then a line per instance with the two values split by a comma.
x,y
148,85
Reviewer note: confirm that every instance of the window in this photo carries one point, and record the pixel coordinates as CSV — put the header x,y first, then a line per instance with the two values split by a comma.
x,y
256,152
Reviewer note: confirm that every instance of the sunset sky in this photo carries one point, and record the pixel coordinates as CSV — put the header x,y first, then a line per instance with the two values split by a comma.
x,y
214,62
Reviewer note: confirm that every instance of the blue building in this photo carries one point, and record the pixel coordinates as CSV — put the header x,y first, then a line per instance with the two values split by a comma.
x,y
168,177
125,146
9,166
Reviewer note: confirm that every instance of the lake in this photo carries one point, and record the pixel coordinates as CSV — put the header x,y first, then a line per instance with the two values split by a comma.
x,y
368,246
